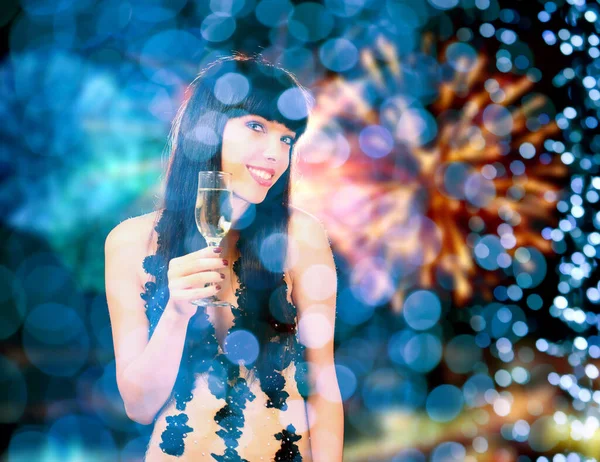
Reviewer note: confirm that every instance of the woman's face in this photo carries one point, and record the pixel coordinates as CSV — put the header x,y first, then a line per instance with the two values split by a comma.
x,y
256,152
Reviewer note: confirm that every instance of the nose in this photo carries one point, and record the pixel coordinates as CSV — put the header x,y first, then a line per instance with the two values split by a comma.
x,y
275,149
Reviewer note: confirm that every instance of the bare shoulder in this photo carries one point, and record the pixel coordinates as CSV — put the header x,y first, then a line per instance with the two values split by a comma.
x,y
314,274
305,228
300,218
132,230
134,237
309,243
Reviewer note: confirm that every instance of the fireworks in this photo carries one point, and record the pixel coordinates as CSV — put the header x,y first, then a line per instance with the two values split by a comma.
x,y
453,157
417,183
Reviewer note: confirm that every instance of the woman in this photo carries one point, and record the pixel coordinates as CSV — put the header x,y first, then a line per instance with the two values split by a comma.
x,y
176,367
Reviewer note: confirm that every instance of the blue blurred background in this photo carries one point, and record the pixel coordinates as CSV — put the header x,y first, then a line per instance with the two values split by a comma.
x,y
453,157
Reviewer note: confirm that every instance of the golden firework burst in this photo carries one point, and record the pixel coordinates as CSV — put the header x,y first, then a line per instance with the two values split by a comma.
x,y
415,206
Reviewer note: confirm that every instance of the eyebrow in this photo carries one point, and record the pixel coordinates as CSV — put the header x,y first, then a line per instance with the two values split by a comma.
x,y
293,133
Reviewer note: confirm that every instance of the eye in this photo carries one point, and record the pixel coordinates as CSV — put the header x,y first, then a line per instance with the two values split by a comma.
x,y
258,127
288,140
252,126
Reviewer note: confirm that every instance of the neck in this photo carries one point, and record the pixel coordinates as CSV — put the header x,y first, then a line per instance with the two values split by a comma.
x,y
238,206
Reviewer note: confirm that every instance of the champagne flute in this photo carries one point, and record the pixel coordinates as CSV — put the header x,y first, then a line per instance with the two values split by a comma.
x,y
213,216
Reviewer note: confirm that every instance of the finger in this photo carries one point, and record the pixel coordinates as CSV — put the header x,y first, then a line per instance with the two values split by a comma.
x,y
207,251
185,265
205,264
197,266
199,292
199,279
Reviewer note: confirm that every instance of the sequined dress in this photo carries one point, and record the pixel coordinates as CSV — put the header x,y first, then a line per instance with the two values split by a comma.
x,y
214,413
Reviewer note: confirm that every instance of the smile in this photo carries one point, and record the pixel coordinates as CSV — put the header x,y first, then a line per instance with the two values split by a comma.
x,y
262,177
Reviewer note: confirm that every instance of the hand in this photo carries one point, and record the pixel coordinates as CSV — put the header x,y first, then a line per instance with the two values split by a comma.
x,y
187,276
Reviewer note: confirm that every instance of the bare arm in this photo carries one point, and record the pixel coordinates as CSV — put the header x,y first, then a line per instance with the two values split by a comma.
x,y
152,375
143,385
314,294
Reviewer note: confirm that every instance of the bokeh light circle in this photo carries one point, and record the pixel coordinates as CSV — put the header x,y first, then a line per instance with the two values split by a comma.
x,y
443,4
315,329
538,441
346,380
338,54
498,120
487,250
55,339
241,347
351,310
273,13
43,277
345,8
52,8
422,352
416,127
217,27
319,280
533,267
401,237
301,62
376,141
82,431
455,175
409,455
155,11
444,403
406,16
479,191
28,444
396,345
166,44
292,104
385,388
462,353
310,22
231,88
53,324
107,399
422,309
449,451
475,388
371,283
461,56
327,146
135,449
272,251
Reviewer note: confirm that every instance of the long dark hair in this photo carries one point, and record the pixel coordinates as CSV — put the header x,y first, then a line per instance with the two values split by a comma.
x,y
195,144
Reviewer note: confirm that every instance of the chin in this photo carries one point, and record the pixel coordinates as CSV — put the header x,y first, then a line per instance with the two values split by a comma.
x,y
252,197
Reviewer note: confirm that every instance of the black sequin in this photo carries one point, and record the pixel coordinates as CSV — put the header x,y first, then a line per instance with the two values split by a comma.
x,y
177,429
289,450
201,354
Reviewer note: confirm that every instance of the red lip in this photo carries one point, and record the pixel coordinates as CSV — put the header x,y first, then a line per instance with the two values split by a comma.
x,y
260,181
264,169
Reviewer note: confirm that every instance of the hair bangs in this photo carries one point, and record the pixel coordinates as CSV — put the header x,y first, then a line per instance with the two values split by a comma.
x,y
268,99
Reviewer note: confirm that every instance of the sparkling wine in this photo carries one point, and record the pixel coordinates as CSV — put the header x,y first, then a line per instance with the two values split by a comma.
x,y
213,212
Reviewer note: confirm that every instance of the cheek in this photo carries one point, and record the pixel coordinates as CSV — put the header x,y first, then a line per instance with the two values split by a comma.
x,y
232,156
234,152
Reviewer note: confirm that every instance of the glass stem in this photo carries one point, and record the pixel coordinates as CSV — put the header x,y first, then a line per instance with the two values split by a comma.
x,y
212,242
